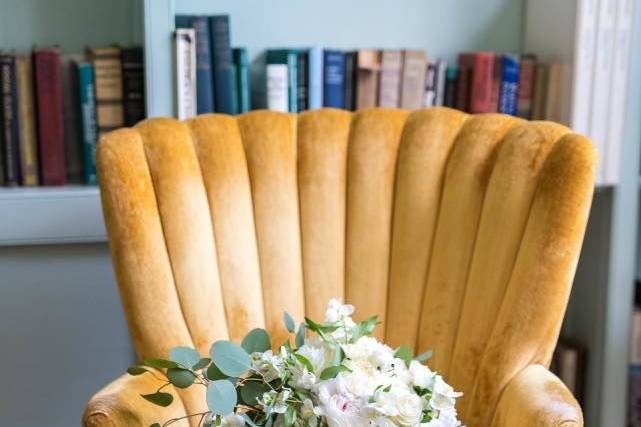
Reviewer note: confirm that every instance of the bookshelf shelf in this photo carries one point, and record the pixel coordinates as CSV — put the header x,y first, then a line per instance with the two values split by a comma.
x,y
50,215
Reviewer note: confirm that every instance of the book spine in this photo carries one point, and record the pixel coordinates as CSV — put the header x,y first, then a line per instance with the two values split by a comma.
x,y
185,45
89,129
481,85
133,85
367,80
108,86
50,120
540,91
242,79
277,81
441,68
451,85
302,82
26,122
10,119
413,79
618,91
315,78
350,80
222,64
509,84
429,93
464,82
204,76
390,85
333,79
599,120
292,81
527,75
497,78
73,145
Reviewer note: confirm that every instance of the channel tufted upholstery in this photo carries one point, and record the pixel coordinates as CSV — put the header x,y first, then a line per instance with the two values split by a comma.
x,y
462,232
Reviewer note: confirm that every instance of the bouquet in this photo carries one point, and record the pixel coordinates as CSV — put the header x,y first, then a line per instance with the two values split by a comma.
x,y
333,375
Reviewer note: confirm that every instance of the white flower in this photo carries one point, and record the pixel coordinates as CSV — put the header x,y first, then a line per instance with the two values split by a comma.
x,y
309,413
233,420
337,311
319,354
366,351
301,377
275,402
340,409
421,375
445,418
267,364
443,395
400,404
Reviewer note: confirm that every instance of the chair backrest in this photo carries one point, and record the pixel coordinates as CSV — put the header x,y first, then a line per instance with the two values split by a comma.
x,y
462,232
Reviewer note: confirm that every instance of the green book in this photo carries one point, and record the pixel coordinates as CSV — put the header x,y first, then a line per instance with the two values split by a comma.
x,y
241,77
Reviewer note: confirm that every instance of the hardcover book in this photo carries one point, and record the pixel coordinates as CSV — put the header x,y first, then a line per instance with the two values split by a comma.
x,y
71,115
108,85
539,98
133,85
87,113
464,81
27,142
302,80
334,79
497,78
451,84
185,51
351,67
481,83
204,74
9,115
315,89
441,69
413,79
369,65
241,64
429,92
389,90
527,73
508,97
282,80
222,64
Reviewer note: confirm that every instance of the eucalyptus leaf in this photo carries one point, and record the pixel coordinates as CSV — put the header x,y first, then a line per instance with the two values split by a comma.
x,y
252,390
160,363
136,370
289,322
213,373
184,356
300,335
231,359
424,356
159,398
181,378
257,340
332,371
221,397
404,353
202,364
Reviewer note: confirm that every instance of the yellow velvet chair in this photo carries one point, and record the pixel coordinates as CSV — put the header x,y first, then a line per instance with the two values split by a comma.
x,y
461,231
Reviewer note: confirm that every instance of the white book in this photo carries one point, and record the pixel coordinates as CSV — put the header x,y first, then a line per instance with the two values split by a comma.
x,y
618,90
602,80
277,96
564,31
185,44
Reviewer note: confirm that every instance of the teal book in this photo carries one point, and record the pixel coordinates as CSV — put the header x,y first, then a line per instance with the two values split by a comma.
x,y
241,65
282,80
89,129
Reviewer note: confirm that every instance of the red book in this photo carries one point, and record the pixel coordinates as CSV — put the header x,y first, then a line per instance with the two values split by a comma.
x,y
466,69
482,77
50,121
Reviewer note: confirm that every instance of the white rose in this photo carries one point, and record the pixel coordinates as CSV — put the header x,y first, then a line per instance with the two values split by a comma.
x,y
409,409
232,420
302,378
319,354
421,375
443,395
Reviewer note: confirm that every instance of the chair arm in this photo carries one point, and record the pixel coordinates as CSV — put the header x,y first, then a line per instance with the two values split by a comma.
x,y
536,397
119,404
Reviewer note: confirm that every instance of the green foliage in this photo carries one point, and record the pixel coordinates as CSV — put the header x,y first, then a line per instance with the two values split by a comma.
x,y
289,322
202,364
304,361
257,340
136,370
290,416
184,356
426,355
249,421
213,373
252,390
159,363
332,371
159,398
366,327
300,335
404,353
231,359
221,397
181,378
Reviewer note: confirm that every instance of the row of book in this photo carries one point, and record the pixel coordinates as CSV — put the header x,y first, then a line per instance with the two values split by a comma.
x,y
55,107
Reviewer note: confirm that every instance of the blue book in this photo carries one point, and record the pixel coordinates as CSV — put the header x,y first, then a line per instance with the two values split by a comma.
x,y
223,64
508,95
315,76
333,79
204,76
89,129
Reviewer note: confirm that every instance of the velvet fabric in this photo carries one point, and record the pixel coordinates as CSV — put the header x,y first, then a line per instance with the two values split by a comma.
x,y
461,231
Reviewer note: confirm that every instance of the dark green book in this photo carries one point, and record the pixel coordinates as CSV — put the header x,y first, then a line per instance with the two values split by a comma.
x,y
241,67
